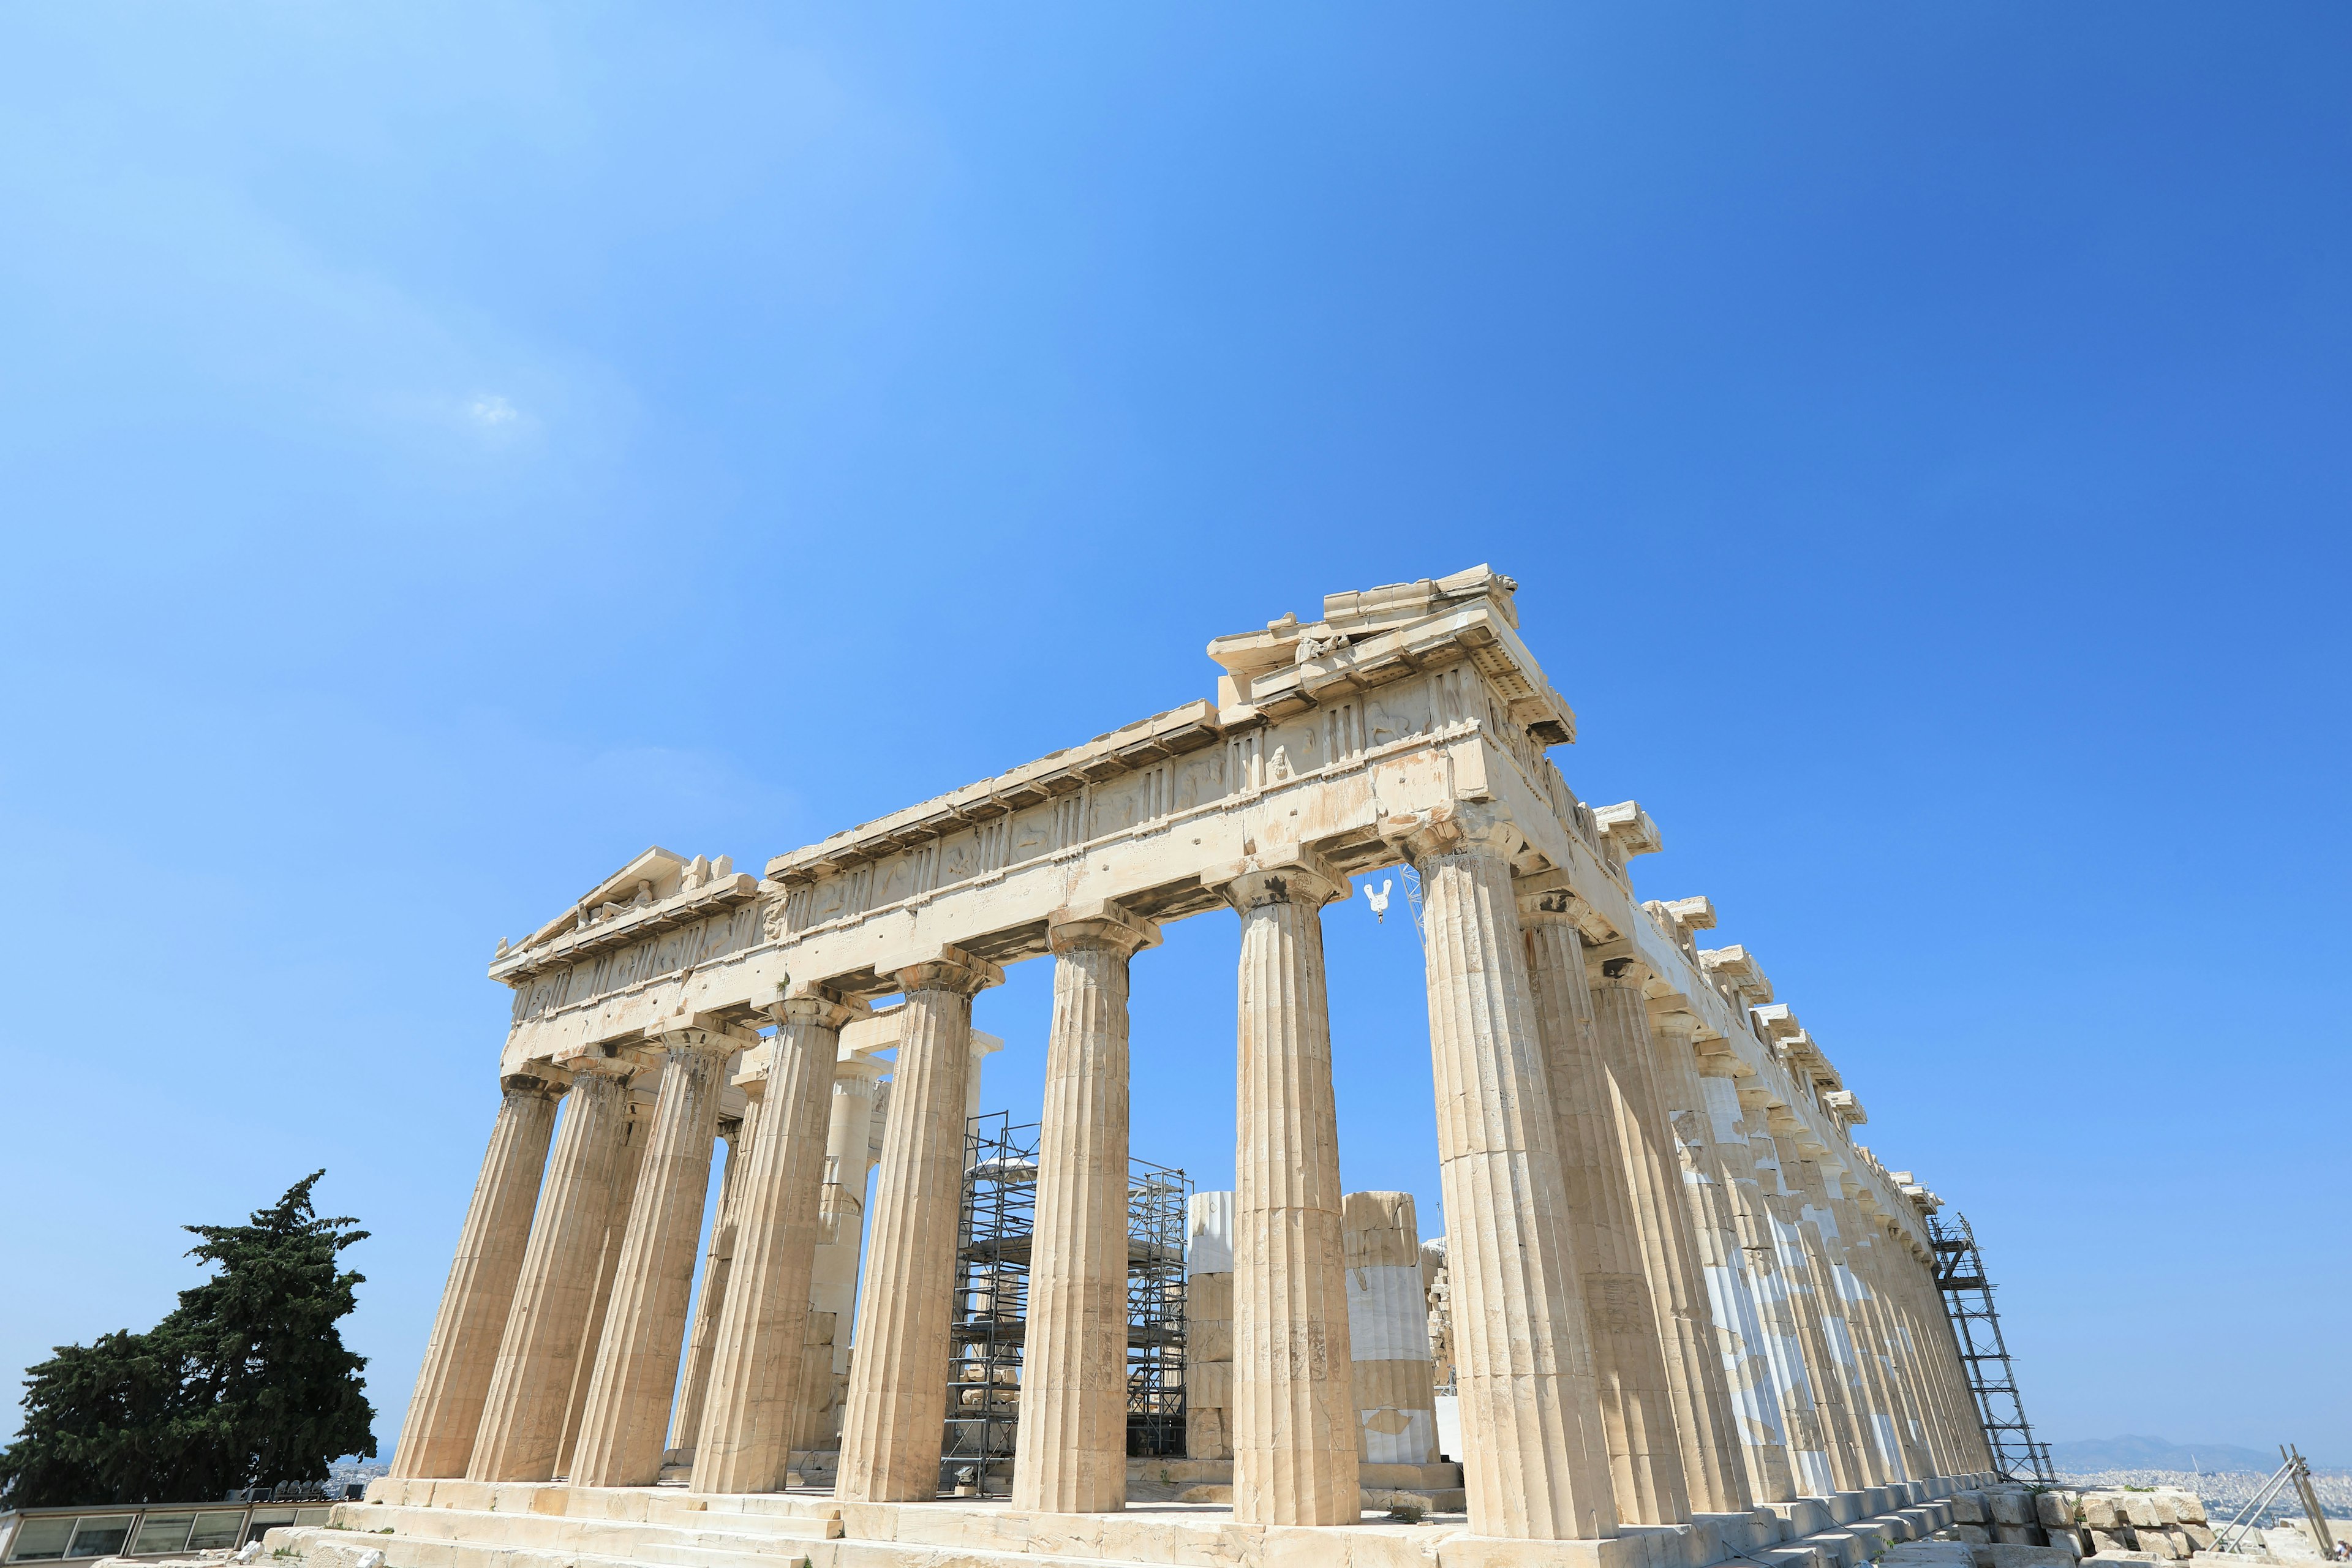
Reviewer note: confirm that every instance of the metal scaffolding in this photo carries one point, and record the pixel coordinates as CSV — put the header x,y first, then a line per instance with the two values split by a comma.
x,y
1976,1324
990,1318
1157,1197
992,1304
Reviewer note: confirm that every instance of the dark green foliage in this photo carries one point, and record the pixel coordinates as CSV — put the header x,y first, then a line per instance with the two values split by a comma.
x,y
246,1382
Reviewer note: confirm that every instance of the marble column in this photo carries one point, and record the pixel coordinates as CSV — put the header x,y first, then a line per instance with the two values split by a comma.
x,y
1629,1365
608,1258
1939,1350
711,1299
1070,1454
1736,1111
1844,1297
895,1423
521,1431
1819,1321
849,1152
1898,1424
1730,1293
1712,1468
1294,1411
755,1369
445,1411
629,1397
1881,1459
1535,1458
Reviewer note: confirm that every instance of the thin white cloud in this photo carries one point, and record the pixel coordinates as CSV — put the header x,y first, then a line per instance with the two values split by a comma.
x,y
492,412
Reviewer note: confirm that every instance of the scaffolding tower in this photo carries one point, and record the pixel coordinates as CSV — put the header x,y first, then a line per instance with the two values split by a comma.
x,y
1976,1324
991,1317
992,1304
1157,1197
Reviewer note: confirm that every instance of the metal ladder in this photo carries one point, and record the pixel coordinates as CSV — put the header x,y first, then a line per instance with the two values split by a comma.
x,y
1976,1324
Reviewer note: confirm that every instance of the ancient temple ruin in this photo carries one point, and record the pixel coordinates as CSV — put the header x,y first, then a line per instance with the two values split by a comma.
x,y
1685,1316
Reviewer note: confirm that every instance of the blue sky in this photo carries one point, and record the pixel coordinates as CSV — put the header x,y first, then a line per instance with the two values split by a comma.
x,y
444,450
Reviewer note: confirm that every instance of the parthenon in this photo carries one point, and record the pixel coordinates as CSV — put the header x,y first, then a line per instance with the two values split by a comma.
x,y
1687,1318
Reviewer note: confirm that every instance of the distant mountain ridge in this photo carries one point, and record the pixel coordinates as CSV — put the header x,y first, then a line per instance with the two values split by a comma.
x,y
2157,1454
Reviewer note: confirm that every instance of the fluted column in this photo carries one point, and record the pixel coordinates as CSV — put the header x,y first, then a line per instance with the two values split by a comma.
x,y
624,1189
1294,1410
841,1233
1730,1293
1070,1453
521,1431
710,1298
1535,1459
1867,1306
755,1368
1792,1413
1712,1468
1881,1459
1629,1365
894,1424
1866,1255
1822,1332
629,1398
445,1412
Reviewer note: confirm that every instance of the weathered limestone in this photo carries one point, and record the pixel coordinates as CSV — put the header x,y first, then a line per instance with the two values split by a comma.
x,y
710,1298
445,1411
1388,1330
1629,1367
1294,1430
1209,1326
626,1415
755,1367
1712,1468
1071,1453
617,1201
1535,1458
521,1433
892,1427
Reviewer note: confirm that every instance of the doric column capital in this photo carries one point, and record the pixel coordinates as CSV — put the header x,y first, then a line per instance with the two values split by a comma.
x,y
954,971
1615,964
1289,875
1454,828
1100,925
531,1084
809,1003
1553,906
697,1039
854,1069
597,1060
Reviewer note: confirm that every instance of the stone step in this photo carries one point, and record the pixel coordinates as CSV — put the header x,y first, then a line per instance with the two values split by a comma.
x,y
318,1548
697,1529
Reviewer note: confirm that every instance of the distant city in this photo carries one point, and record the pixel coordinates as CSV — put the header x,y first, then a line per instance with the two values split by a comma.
x,y
2226,1475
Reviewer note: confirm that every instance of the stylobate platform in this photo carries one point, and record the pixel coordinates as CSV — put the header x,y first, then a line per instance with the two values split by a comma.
x,y
465,1524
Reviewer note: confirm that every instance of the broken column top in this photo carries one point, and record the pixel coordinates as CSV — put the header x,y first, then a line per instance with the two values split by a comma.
x,y
1209,1234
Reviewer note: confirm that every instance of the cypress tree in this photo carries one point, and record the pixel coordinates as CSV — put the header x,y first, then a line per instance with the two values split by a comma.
x,y
246,1382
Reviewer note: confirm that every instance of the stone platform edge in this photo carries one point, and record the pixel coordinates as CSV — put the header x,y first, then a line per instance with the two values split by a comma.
x,y
1848,1530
